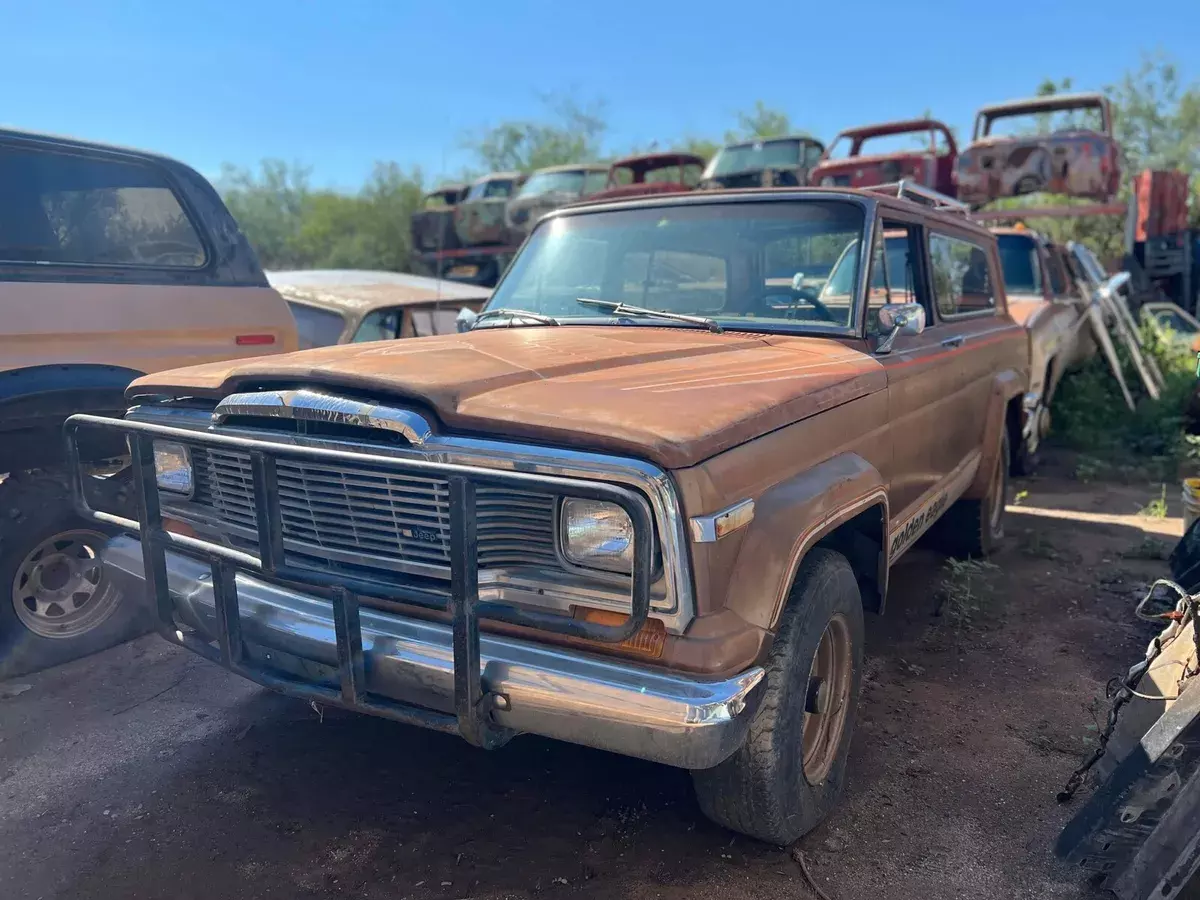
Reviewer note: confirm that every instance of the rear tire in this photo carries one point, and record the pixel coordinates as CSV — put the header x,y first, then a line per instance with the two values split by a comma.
x,y
55,603
974,528
789,773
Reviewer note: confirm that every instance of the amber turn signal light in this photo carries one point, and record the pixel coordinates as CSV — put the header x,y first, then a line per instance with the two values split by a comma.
x,y
649,640
176,527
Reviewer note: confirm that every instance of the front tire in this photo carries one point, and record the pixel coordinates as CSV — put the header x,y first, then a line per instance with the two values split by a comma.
x,y
55,602
788,774
974,528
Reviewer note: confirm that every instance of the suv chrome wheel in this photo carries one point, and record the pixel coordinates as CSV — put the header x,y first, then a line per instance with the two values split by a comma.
x,y
828,693
58,589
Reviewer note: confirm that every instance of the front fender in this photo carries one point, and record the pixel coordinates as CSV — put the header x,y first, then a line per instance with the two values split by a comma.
x,y
791,517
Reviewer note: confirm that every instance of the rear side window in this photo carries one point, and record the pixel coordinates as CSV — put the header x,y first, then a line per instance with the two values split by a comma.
x,y
316,327
961,275
61,208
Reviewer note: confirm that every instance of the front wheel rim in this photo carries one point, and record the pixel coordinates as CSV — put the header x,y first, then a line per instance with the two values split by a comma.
x,y
59,589
827,699
996,494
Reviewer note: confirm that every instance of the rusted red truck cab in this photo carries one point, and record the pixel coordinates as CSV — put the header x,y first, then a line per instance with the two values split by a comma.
x,y
929,162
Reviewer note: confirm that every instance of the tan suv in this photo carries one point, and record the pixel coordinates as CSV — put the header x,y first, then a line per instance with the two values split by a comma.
x,y
643,505
1049,295
113,263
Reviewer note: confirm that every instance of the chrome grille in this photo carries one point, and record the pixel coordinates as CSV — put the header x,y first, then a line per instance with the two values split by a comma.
x,y
367,517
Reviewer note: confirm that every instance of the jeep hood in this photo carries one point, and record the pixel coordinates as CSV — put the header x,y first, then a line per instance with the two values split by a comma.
x,y
671,395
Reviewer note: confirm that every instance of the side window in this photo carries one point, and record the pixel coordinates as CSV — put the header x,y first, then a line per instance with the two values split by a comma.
x,y
76,209
378,325
961,274
593,182
1058,277
433,321
893,270
316,327
1061,268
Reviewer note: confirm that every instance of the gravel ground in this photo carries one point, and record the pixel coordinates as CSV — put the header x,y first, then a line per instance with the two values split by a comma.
x,y
145,772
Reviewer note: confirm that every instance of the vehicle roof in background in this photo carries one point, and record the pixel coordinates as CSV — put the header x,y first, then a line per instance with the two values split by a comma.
x,y
795,136
655,160
1044,104
575,167
361,290
898,126
66,140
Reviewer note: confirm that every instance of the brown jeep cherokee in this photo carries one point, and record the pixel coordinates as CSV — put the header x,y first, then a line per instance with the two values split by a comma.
x,y
642,505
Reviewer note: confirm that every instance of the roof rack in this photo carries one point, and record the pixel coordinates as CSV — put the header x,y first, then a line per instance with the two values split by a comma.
x,y
918,193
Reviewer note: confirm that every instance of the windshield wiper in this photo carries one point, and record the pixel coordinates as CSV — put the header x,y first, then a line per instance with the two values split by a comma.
x,y
624,308
515,317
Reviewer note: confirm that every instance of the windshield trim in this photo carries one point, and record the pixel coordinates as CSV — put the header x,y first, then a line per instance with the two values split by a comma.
x,y
868,205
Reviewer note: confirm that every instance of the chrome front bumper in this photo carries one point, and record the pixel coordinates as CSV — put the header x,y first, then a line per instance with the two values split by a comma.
x,y
554,692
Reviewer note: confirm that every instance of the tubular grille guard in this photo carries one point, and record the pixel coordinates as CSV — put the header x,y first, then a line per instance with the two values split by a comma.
x,y
473,703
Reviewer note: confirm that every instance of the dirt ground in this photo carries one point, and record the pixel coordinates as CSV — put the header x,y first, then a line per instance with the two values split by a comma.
x,y
145,772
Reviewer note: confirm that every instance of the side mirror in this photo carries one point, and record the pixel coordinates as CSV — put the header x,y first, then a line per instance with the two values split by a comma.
x,y
466,319
798,281
897,319
1115,284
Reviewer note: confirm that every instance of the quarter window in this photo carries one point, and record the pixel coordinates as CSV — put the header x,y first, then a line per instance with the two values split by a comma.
x,y
316,327
378,325
82,210
961,275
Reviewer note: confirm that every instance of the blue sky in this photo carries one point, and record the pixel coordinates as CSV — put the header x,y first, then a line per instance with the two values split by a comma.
x,y
338,85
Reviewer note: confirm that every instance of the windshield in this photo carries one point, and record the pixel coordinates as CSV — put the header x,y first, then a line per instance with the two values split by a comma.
x,y
750,157
1019,261
1023,124
485,190
1175,319
748,265
545,182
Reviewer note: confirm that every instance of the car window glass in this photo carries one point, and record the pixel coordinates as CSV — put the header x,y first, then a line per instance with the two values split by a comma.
x,y
1058,277
594,181
84,210
961,276
1174,321
769,154
893,272
434,321
786,265
316,327
378,325
1020,264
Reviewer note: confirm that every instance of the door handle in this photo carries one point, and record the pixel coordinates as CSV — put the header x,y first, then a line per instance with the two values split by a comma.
x,y
956,341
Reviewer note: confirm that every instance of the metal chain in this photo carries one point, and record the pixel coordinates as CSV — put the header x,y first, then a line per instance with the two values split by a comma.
x,y
1120,690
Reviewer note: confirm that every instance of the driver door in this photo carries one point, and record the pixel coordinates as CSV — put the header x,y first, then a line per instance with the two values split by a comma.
x,y
926,393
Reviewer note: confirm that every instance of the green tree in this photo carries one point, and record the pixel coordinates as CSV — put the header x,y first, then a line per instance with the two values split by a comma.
x,y
270,205
759,122
1157,116
571,133
290,225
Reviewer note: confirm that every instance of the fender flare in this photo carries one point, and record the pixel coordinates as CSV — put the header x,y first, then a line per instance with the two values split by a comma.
x,y
820,499
60,390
